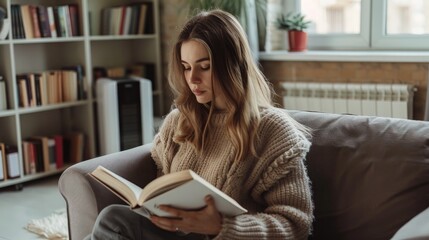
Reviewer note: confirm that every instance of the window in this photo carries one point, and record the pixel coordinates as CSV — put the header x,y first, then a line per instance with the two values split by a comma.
x,y
365,24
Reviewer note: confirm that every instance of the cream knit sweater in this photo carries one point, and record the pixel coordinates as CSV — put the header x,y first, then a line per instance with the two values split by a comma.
x,y
274,187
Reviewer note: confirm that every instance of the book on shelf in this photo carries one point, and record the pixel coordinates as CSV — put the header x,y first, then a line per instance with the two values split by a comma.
x,y
44,142
12,161
51,86
50,152
27,21
80,80
40,21
29,156
74,19
128,19
3,94
17,22
51,20
23,95
73,147
59,150
184,189
35,21
43,19
3,173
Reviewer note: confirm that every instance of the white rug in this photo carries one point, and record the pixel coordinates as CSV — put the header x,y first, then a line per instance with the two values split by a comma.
x,y
52,227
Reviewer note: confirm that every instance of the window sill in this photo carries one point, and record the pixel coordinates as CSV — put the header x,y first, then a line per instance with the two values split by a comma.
x,y
346,56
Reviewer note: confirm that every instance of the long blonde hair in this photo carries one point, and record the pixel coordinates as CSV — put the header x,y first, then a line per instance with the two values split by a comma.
x,y
239,78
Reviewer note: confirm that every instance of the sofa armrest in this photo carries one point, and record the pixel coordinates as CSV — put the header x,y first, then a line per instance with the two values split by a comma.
x,y
416,229
85,197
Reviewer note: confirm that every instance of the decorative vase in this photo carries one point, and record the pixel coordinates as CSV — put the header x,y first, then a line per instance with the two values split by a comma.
x,y
297,41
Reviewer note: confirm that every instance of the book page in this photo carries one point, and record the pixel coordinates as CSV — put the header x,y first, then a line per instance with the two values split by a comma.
x,y
164,183
190,196
134,188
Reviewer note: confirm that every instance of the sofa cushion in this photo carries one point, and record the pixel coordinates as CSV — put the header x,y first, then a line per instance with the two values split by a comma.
x,y
370,175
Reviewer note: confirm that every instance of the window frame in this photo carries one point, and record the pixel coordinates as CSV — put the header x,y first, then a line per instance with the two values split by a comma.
x,y
372,35
379,38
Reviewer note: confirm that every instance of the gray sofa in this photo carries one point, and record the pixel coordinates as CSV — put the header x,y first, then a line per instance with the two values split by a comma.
x,y
370,178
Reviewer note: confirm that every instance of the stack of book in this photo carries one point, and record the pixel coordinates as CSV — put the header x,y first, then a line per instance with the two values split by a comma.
x,y
38,21
51,87
127,19
49,153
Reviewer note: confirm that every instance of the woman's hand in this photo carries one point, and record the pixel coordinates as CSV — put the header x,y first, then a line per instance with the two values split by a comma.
x,y
205,221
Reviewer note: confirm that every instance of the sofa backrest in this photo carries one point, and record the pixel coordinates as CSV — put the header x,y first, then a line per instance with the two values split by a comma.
x,y
369,175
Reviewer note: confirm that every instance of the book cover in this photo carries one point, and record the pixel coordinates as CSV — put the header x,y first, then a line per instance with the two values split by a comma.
x,y
52,154
27,21
12,162
3,96
32,81
51,20
29,154
59,152
184,190
3,172
15,21
74,19
59,29
35,21
43,153
142,19
80,84
45,28
22,91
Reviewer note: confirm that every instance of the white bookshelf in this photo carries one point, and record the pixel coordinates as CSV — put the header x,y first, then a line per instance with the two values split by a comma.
x,y
90,49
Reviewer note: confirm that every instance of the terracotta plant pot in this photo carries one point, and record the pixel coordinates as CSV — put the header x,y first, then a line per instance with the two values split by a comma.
x,y
297,41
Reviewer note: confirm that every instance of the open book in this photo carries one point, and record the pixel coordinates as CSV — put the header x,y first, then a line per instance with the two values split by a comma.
x,y
184,190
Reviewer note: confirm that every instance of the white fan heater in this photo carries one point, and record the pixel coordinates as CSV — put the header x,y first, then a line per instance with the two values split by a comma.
x,y
125,113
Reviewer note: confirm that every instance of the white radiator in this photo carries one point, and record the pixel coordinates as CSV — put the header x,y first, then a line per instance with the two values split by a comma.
x,y
386,100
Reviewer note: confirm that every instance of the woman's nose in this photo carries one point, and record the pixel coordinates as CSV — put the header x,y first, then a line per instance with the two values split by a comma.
x,y
194,77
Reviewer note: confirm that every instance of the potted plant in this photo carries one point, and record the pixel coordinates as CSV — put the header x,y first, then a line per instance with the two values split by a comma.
x,y
294,24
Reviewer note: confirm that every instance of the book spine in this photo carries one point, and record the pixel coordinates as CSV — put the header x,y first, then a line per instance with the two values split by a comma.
x,y
45,28
12,162
51,20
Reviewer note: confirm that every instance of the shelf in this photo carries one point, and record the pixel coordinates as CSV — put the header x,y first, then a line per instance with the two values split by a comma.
x,y
26,178
38,55
7,113
52,107
122,37
47,40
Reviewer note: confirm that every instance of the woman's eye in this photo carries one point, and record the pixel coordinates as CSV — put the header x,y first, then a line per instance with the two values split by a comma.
x,y
186,68
205,67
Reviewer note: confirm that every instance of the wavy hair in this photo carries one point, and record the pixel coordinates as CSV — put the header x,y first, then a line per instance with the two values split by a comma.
x,y
239,78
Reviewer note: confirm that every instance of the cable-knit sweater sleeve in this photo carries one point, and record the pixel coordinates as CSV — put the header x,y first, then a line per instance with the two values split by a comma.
x,y
281,186
164,147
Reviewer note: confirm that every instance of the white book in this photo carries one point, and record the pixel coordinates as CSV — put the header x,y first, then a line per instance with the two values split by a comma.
x,y
3,96
12,163
51,20
184,190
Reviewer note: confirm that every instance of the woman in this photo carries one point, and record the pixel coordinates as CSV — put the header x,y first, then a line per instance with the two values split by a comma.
x,y
225,129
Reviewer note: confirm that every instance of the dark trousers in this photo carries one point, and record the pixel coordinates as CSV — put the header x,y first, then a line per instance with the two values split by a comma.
x,y
118,222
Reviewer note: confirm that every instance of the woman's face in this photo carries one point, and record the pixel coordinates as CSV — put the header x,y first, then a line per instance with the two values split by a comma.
x,y
198,72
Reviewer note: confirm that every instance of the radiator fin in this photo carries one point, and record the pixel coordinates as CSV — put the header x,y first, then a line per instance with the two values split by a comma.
x,y
386,100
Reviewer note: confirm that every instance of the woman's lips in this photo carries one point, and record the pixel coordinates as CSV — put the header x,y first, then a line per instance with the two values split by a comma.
x,y
198,92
